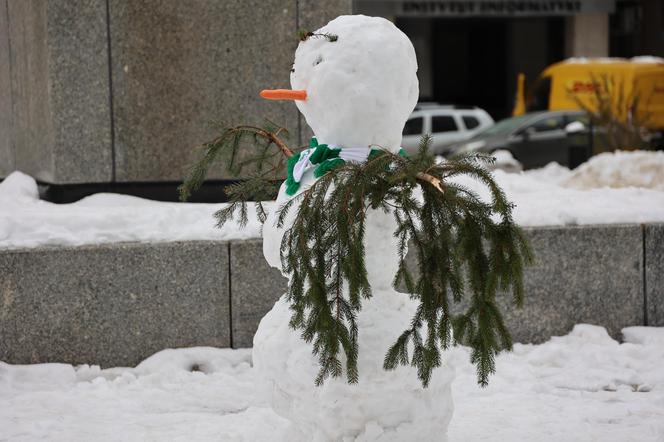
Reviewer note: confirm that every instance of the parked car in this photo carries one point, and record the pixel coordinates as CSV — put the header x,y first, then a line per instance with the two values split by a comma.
x,y
537,138
567,84
447,124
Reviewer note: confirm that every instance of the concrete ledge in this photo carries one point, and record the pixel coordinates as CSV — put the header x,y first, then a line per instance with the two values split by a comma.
x,y
116,304
582,274
255,288
653,246
112,305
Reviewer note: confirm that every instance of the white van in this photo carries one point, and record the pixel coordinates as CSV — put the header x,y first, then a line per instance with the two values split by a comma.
x,y
447,124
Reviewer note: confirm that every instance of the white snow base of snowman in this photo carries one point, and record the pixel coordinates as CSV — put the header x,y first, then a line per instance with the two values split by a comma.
x,y
383,405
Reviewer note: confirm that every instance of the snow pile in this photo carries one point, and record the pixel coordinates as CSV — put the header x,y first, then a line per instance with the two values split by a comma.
x,y
582,387
160,399
621,187
620,169
539,202
553,173
26,221
505,161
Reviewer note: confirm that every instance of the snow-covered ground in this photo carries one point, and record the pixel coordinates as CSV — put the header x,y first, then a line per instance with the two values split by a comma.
x,y
580,387
611,188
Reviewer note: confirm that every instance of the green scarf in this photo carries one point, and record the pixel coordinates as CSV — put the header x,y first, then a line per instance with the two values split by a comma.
x,y
325,158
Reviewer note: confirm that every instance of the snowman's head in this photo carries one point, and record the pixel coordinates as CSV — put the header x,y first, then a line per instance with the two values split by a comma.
x,y
355,82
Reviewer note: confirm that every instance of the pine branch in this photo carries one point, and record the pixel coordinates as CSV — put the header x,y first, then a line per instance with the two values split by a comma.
x,y
264,165
465,247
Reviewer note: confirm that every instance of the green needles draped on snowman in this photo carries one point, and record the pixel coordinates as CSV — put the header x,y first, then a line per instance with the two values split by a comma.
x,y
343,355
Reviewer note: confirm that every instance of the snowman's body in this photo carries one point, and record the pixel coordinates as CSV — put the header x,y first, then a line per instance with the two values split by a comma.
x,y
345,112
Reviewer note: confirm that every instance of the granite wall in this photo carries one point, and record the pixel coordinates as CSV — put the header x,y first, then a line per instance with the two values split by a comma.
x,y
59,125
112,305
98,91
116,304
653,248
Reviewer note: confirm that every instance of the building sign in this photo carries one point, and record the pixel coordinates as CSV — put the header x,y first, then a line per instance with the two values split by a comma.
x,y
469,8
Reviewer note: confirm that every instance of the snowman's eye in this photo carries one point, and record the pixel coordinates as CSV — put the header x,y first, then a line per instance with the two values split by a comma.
x,y
292,69
318,60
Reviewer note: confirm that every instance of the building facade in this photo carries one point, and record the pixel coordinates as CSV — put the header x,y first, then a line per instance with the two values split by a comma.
x,y
108,92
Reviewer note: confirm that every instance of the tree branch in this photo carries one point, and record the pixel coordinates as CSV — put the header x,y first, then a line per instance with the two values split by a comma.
x,y
270,136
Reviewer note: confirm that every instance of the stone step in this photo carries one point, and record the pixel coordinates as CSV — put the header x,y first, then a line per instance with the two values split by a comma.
x,y
116,304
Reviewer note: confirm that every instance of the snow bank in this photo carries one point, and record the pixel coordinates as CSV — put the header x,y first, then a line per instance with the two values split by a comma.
x,y
541,199
644,335
582,387
506,162
161,399
620,170
621,187
26,221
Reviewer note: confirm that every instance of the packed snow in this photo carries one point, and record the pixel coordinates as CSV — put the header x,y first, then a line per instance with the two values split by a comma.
x,y
621,187
27,221
580,387
619,170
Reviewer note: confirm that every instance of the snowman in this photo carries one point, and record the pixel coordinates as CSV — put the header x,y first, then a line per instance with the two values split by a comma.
x,y
355,82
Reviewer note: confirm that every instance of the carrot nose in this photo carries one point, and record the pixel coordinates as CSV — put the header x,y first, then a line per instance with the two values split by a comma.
x,y
284,94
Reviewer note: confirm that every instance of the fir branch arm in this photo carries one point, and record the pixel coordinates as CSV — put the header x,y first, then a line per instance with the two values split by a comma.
x,y
228,144
272,136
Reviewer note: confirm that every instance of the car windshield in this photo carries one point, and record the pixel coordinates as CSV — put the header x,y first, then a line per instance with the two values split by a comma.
x,y
504,127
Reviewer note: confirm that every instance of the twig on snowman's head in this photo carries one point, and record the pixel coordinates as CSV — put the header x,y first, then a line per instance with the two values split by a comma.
x,y
304,35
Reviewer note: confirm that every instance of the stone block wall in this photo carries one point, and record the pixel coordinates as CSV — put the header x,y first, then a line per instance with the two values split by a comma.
x,y
99,91
112,305
653,248
56,122
116,304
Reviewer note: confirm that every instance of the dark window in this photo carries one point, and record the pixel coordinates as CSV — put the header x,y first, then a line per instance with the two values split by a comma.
x,y
470,122
413,126
541,95
548,124
443,123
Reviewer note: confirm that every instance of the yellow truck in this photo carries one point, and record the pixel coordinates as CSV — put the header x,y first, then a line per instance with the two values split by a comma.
x,y
569,84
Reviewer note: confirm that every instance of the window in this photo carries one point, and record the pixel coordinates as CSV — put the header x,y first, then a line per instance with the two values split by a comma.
x,y
582,118
542,93
470,122
548,124
413,126
443,123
